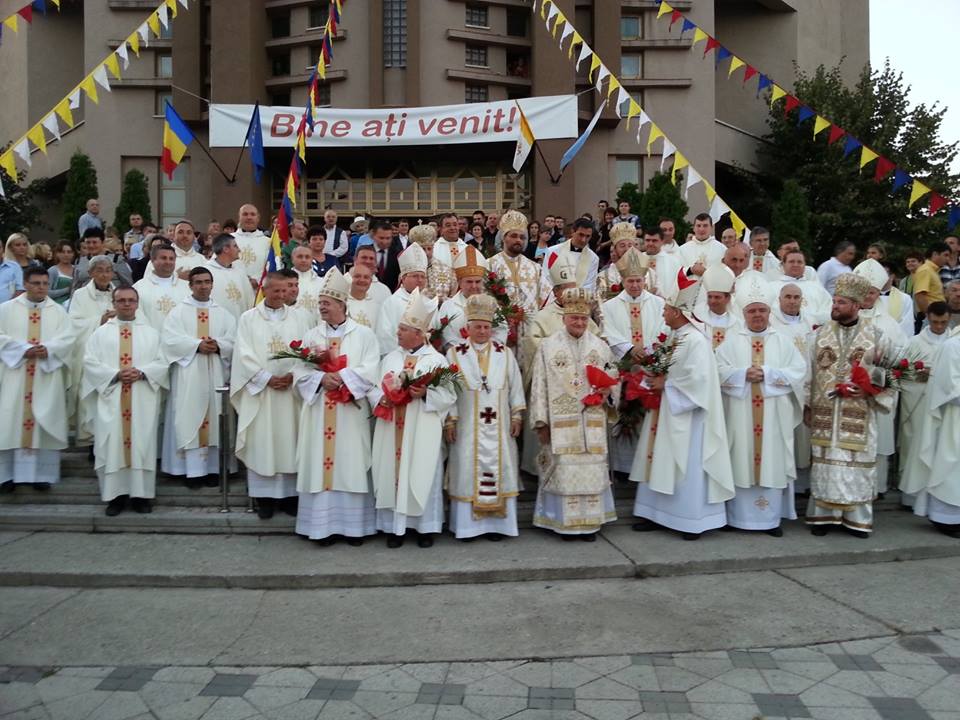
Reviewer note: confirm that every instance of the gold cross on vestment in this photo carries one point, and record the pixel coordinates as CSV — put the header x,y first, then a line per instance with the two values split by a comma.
x,y
277,345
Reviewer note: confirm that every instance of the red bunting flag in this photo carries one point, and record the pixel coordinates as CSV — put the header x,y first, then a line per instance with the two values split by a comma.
x,y
712,44
26,12
836,132
884,168
749,72
676,15
790,104
937,201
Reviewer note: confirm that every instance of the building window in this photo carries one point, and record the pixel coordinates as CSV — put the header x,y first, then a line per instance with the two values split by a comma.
x,y
164,65
476,93
281,99
166,33
476,55
518,65
629,28
160,102
516,22
477,16
280,66
395,33
173,195
280,25
628,171
630,66
323,95
318,15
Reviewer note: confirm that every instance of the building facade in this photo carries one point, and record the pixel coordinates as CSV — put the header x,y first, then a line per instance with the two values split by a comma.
x,y
397,53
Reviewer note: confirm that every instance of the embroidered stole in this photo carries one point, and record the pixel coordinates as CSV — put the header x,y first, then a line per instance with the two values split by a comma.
x,y
33,337
203,332
756,401
126,391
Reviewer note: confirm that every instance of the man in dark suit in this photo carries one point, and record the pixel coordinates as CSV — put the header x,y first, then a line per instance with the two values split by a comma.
x,y
388,249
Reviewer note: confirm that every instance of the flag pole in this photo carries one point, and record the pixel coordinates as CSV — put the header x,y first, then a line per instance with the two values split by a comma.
x,y
554,180
245,139
206,152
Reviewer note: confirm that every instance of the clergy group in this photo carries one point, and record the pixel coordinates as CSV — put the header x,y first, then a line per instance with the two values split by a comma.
x,y
424,387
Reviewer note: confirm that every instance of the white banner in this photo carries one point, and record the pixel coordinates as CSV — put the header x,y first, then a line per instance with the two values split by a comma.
x,y
550,117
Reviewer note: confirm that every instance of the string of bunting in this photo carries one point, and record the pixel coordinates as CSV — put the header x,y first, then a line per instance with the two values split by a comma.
x,y
298,163
884,166
561,29
48,129
26,14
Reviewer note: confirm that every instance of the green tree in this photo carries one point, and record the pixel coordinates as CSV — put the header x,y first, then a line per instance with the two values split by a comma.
x,y
81,186
18,210
845,204
134,198
662,199
791,216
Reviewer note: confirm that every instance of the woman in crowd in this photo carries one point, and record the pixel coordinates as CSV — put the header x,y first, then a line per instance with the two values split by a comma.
x,y
61,274
18,250
603,243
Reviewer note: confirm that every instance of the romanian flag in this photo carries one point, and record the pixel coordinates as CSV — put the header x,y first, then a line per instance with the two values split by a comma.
x,y
176,138
273,262
525,140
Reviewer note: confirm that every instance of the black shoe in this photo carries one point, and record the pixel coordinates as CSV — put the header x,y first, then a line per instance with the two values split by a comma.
x,y
690,536
645,526
41,486
469,539
948,530
425,541
494,537
7,487
568,538
589,537
192,483
289,506
775,532
819,530
394,541
90,454
354,542
863,535
265,508
142,506
327,541
881,496
116,506
211,481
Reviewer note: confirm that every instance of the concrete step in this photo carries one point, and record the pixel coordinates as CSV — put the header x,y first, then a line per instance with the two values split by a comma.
x,y
67,559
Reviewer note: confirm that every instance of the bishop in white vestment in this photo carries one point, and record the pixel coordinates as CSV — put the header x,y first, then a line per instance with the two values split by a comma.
x,y
471,270
761,376
717,315
520,275
482,428
160,290
413,276
231,288
334,447
198,338
36,349
407,463
441,281
124,369
664,266
261,392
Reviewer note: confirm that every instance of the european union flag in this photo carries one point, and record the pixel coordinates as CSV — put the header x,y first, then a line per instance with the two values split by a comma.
x,y
255,141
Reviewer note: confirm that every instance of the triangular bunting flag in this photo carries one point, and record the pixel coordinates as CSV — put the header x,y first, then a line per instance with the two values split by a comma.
x,y
709,191
820,124
11,22
22,149
51,124
584,53
806,112
790,103
134,41
632,111
172,4
90,88
567,32
26,12
154,24
679,163
614,84
749,72
62,109
577,40
543,9
561,20
687,25
836,132
900,178
917,191
9,164
718,208
712,44
655,132
163,15
739,226
723,54
74,98
644,120
777,93
113,65
622,97
693,177
668,149
674,16
664,9
851,145
100,75
937,201
124,55
601,76
144,32
699,35
551,14
867,155
884,168
185,3
40,5
763,84
594,64
735,63
953,219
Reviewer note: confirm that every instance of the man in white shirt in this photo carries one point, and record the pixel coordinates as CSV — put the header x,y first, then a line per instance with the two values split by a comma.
x,y
704,249
338,241
663,266
449,244
668,230
829,271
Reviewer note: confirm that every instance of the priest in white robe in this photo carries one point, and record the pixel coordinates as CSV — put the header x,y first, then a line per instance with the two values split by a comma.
x,y
363,305
36,348
703,250
570,417
407,463
253,245
482,428
471,270
632,322
413,276
187,257
682,465
231,289
261,392
761,376
664,266
578,249
309,283
366,256
449,244
291,297
717,314
762,260
933,467
817,302
160,291
124,369
198,338
334,446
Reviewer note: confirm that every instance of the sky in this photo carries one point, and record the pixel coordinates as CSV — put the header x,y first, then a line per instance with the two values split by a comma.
x,y
920,40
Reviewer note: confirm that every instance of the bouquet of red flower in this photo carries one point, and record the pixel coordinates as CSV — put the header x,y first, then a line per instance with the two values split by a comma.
x,y
324,361
508,312
637,398
893,372
396,387
599,380
436,334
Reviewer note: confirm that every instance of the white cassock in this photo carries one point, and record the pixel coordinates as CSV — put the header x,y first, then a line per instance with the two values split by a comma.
x,y
308,296
899,306
932,471
185,262
266,436
521,277
334,456
682,464
670,248
709,252
125,416
407,464
454,333
33,393
191,427
365,312
816,302
445,251
925,347
87,307
665,268
628,322
231,288
388,319
768,264
717,327
377,290
761,420
254,248
483,477
158,296
588,267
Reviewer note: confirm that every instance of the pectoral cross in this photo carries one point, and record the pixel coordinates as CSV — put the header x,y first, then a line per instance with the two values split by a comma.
x,y
488,415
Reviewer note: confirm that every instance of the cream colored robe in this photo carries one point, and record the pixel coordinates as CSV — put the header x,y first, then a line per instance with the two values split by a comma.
x,y
254,249
709,252
158,296
619,322
388,319
365,312
309,293
925,347
663,268
816,302
456,309
768,264
521,277
186,261
445,252
87,307
231,288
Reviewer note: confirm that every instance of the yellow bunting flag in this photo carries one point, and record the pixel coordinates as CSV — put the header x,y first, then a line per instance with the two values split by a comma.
x,y
655,132
62,109
664,9
577,40
633,110
11,22
57,3
543,9
35,135
556,25
134,41
9,164
698,36
153,22
90,88
735,63
172,4
918,191
709,191
819,125
866,156
113,65
777,93
738,225
594,64
679,163
612,85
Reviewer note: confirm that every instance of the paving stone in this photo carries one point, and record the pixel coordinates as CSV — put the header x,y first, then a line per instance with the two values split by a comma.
x,y
782,655
929,674
84,671
362,672
783,682
394,679
813,670
896,654
898,686
287,677
567,674
229,685
609,709
269,697
454,712
128,677
604,665
379,703
858,682
640,677
411,712
920,644
545,698
658,660
532,674
82,705
867,646
828,696
891,708
55,687
201,675
441,694
748,680
333,689
24,674
664,702
715,692
705,667
942,696
754,660
314,709
781,705
187,710
725,711
494,707
674,679
950,664
37,712
606,689
162,694
18,696
848,714
121,706
230,708
468,672
855,662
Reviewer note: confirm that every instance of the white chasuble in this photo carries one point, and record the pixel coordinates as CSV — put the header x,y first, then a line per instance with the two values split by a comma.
x,y
521,278
406,451
158,296
815,302
483,461
663,269
87,307
717,327
924,347
628,321
126,416
768,264
308,295
231,288
266,435
186,261
194,404
445,252
254,248
709,252
365,312
388,319
455,332
334,437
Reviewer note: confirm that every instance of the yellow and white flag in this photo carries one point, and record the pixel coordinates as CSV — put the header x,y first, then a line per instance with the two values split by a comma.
x,y
525,140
